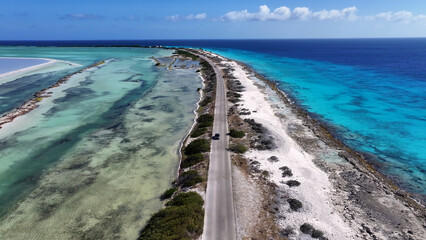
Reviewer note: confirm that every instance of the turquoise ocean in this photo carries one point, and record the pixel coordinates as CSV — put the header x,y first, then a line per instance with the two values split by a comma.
x,y
378,112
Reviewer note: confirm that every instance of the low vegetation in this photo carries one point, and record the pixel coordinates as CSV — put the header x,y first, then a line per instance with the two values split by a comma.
x,y
205,101
238,148
205,124
257,127
168,193
273,159
286,171
292,183
191,160
210,76
198,132
197,146
317,234
183,218
294,204
186,199
187,54
236,134
307,228
205,121
189,178
205,118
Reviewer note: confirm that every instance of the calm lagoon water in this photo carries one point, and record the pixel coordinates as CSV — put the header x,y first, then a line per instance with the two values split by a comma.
x,y
92,160
13,64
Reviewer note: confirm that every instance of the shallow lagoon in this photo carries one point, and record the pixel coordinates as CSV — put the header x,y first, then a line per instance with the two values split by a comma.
x,y
13,64
94,158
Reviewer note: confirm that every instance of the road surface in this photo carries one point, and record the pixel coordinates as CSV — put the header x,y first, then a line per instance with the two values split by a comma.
x,y
219,219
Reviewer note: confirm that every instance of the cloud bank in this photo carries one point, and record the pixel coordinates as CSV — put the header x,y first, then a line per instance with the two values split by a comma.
x,y
199,16
402,16
284,13
81,16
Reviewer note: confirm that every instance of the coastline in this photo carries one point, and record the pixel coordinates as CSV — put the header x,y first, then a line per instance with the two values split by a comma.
x,y
351,192
191,176
194,123
364,217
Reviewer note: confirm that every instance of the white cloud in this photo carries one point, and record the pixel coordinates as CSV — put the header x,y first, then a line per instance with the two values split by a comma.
x,y
302,13
264,14
402,16
200,16
284,13
173,18
346,13
81,16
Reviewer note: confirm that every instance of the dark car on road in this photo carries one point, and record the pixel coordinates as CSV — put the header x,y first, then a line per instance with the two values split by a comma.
x,y
216,136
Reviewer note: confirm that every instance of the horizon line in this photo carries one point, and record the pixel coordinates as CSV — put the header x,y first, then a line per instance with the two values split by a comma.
x,y
204,39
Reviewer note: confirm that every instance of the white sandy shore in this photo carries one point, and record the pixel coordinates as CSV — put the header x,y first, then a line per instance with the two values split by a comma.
x,y
315,189
35,67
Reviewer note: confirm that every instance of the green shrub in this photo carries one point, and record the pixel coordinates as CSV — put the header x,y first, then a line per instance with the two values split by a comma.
x,y
188,198
236,134
205,124
205,101
198,132
306,228
197,146
294,204
191,160
183,218
168,193
238,148
205,118
205,121
190,178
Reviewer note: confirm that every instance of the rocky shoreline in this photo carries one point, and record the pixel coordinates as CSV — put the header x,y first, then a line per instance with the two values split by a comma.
x,y
32,104
368,199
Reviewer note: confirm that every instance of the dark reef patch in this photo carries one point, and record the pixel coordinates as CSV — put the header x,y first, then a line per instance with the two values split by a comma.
x,y
147,107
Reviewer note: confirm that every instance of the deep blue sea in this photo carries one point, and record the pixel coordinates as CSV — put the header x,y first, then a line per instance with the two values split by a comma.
x,y
371,92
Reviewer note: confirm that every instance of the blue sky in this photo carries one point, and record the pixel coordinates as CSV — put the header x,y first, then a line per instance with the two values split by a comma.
x,y
218,19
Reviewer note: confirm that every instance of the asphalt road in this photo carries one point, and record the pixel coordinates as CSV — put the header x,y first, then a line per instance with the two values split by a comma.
x,y
219,219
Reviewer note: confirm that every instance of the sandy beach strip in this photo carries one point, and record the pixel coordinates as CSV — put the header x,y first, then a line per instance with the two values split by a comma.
x,y
314,192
